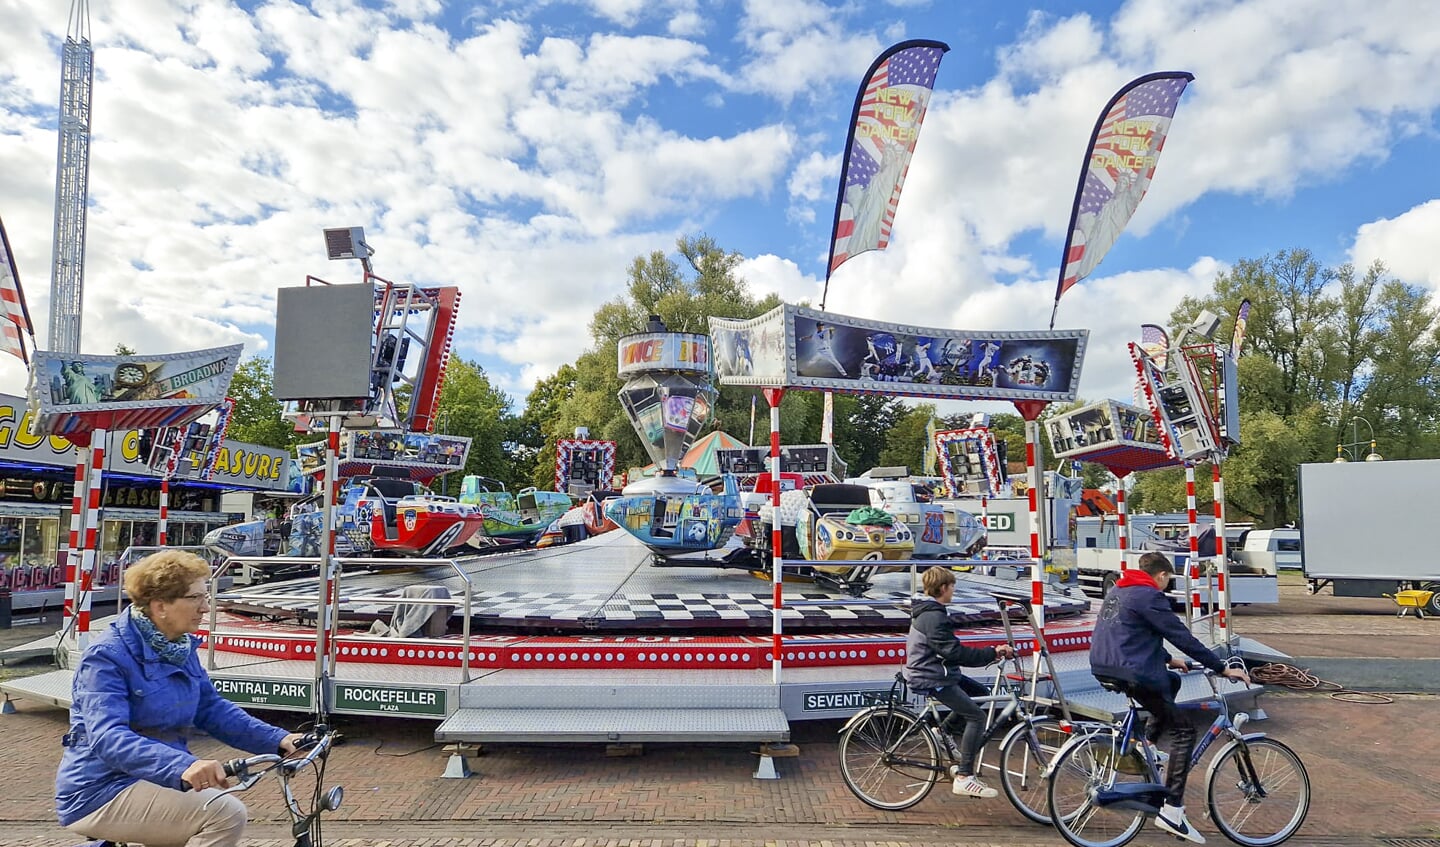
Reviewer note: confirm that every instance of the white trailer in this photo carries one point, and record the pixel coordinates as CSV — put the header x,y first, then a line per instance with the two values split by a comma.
x,y
1097,556
1365,527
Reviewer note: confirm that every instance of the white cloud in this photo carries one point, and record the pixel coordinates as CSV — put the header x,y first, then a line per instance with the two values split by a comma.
x,y
768,273
797,46
529,165
809,181
1405,243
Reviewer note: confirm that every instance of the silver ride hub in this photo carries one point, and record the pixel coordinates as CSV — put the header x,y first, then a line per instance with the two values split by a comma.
x,y
668,396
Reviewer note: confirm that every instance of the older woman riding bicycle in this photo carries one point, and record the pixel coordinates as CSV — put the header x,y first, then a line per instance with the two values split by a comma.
x,y
140,694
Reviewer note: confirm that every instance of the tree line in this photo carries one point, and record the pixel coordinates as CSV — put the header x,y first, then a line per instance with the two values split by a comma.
x,y
1326,349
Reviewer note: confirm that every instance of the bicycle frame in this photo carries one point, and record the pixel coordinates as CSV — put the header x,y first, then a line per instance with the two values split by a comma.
x,y
1223,723
1149,796
997,718
304,825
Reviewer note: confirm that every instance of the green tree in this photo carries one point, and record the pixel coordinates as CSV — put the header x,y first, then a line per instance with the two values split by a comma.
x,y
684,298
905,443
257,418
862,424
537,426
1401,398
471,406
1285,379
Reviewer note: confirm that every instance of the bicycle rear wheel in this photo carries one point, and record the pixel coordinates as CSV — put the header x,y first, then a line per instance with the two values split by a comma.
x,y
1083,767
888,758
1024,754
1258,792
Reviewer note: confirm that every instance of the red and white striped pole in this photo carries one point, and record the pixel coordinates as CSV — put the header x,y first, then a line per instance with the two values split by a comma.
x,y
1030,410
1037,569
77,527
89,541
1124,518
985,520
164,510
773,396
1192,580
1222,569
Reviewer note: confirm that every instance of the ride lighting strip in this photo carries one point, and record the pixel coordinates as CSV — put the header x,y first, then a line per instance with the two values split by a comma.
x,y
663,652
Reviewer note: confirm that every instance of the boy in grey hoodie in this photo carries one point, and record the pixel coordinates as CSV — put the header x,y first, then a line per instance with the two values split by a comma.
x,y
933,658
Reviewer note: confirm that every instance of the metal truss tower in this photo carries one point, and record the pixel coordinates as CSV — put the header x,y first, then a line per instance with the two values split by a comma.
x,y
72,180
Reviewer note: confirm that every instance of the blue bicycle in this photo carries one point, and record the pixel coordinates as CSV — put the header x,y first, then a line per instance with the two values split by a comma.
x,y
1105,784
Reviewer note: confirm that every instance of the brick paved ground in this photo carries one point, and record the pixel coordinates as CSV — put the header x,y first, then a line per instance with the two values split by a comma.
x,y
1375,772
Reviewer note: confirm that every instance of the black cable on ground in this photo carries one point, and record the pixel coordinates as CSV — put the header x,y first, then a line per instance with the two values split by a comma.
x,y
1300,679
377,752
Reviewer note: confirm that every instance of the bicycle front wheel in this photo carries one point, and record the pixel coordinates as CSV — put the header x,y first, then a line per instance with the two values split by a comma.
x,y
1082,768
888,758
1258,792
1024,755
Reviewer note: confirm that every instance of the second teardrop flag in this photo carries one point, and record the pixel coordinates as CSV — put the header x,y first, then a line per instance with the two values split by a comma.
x,y
1119,164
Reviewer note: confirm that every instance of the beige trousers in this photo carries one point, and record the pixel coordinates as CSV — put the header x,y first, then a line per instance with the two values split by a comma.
x,y
146,813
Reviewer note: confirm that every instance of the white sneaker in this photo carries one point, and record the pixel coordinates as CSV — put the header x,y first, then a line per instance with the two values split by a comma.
x,y
969,786
1160,756
1172,820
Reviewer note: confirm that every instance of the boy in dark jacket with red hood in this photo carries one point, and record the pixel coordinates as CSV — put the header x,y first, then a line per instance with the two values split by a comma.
x,y
933,657
1128,647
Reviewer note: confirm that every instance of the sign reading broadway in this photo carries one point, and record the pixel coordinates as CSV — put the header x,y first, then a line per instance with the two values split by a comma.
x,y
797,347
73,392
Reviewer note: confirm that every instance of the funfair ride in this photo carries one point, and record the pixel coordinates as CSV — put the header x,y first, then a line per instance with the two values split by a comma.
x,y
669,398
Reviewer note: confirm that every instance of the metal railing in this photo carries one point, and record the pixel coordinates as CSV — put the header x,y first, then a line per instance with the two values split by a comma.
x,y
325,642
132,554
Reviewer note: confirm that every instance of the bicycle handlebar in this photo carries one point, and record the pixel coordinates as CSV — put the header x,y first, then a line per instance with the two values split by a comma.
x,y
316,743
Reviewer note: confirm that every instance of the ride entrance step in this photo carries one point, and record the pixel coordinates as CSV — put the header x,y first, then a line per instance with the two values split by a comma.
x,y
52,688
617,714
613,726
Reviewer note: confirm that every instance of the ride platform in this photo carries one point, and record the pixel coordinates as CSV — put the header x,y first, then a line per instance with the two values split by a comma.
x,y
608,584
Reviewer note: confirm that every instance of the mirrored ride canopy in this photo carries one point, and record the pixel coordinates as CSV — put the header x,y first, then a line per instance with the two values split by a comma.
x,y
668,396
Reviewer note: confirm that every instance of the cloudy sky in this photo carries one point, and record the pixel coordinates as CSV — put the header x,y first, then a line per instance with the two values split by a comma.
x,y
527,150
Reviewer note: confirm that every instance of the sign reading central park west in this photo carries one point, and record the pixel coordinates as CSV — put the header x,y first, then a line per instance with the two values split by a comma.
x,y
385,700
265,692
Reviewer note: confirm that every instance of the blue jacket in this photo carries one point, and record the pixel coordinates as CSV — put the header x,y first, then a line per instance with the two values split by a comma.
x,y
132,715
1135,622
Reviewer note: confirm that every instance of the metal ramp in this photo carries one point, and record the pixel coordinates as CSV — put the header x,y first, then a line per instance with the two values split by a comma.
x,y
52,688
641,707
38,649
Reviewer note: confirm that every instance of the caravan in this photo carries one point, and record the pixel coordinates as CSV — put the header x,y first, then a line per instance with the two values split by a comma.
x,y
1269,548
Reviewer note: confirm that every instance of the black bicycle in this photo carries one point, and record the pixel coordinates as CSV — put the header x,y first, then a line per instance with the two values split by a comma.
x,y
304,816
891,754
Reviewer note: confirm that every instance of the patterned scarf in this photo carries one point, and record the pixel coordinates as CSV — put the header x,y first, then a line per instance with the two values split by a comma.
x,y
175,652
